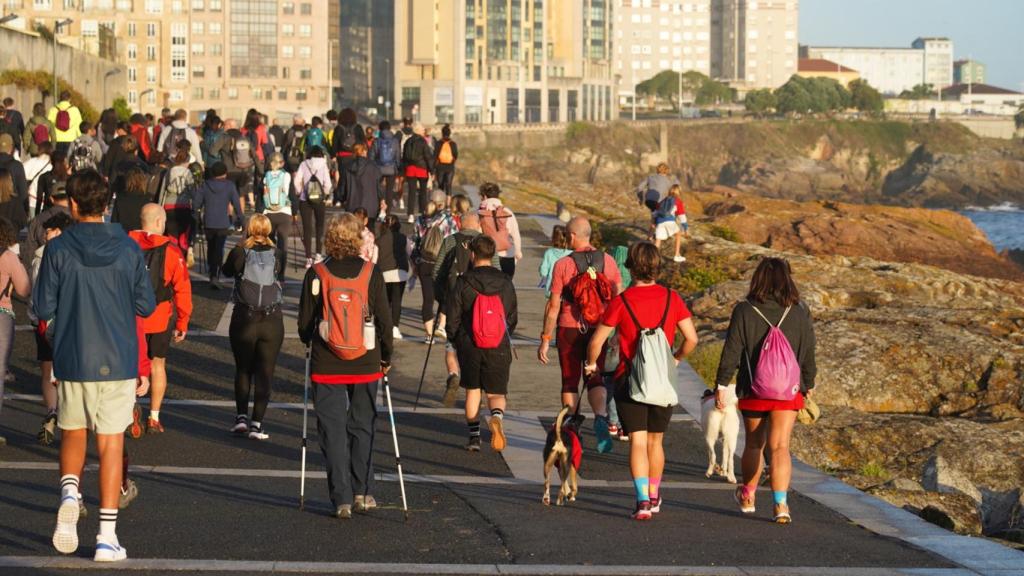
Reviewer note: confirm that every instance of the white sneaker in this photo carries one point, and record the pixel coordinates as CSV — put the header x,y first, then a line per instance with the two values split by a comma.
x,y
401,204
257,433
396,333
679,259
107,551
412,219
65,535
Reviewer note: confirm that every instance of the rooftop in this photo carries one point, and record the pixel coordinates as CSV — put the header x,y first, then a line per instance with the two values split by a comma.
x,y
821,65
958,89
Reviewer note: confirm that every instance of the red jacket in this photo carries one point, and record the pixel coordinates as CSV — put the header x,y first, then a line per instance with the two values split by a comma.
x,y
176,274
141,136
145,367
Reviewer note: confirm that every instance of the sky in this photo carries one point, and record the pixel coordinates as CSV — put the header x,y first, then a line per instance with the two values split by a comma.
x,y
986,30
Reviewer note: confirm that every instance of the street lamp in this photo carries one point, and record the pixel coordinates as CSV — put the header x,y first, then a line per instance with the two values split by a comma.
x,y
8,18
111,72
387,91
57,25
143,93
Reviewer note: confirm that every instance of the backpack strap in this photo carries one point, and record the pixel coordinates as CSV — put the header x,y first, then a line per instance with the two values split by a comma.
x,y
784,314
639,327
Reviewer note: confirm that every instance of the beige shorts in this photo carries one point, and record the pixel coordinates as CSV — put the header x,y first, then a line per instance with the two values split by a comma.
x,y
103,407
666,230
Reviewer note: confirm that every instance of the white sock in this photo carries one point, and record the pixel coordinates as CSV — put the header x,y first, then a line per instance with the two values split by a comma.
x,y
255,425
108,523
68,486
154,415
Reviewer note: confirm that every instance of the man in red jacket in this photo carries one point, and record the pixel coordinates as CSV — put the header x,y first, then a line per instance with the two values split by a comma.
x,y
173,291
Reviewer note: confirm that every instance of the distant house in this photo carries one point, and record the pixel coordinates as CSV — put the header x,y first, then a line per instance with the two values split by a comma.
x,y
971,95
821,68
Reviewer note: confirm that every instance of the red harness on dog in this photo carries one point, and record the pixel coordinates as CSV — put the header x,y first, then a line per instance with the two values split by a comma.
x,y
572,441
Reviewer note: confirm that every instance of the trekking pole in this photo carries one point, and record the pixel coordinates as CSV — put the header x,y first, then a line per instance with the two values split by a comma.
x,y
305,408
398,457
430,345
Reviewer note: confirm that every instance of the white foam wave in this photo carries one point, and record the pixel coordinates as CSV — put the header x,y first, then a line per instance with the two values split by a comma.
x,y
1004,207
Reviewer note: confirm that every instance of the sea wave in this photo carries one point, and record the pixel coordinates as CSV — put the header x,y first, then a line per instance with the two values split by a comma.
x,y
1004,207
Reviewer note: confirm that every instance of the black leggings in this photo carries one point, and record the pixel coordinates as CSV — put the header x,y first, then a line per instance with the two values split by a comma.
x,y
424,271
395,291
419,185
388,183
256,340
312,218
215,239
445,175
281,230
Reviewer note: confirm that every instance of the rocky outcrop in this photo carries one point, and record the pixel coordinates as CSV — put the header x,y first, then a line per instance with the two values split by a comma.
x,y
983,178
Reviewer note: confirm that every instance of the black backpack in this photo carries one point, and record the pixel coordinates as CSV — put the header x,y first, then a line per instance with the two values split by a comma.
x,y
155,260
456,263
348,139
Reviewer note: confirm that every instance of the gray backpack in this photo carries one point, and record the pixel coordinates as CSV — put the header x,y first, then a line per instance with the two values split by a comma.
x,y
652,372
258,287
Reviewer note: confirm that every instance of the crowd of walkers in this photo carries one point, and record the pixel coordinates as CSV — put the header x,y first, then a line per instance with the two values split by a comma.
x,y
116,215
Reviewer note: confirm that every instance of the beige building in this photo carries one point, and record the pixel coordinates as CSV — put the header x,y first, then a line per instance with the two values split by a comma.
x,y
758,39
230,55
817,68
504,61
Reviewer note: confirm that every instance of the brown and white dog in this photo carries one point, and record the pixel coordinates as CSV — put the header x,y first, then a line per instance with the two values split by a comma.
x,y
563,449
726,423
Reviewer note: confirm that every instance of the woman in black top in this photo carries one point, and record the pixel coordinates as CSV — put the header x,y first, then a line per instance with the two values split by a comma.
x,y
393,260
773,300
257,330
130,199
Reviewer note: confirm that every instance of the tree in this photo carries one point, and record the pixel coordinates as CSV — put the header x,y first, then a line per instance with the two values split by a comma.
x,y
794,97
122,109
760,101
864,97
703,90
919,92
1019,117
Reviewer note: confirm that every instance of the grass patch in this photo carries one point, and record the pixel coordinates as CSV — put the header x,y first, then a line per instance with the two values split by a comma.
x,y
609,234
874,470
704,360
725,233
698,276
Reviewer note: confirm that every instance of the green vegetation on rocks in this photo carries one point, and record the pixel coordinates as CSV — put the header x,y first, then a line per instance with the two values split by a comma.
x,y
42,81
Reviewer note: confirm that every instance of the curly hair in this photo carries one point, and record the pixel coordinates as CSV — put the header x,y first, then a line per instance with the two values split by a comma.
x,y
342,238
8,235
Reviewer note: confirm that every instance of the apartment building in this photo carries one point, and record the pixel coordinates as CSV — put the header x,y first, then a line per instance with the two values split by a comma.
x,y
758,42
968,72
367,54
229,55
504,61
893,70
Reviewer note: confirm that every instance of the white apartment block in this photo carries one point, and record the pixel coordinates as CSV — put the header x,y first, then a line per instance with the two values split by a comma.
x,y
656,35
893,70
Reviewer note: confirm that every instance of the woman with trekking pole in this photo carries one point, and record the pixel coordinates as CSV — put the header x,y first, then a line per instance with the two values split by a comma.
x,y
345,319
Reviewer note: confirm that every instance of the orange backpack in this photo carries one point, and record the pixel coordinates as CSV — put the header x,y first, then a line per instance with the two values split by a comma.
x,y
346,312
445,156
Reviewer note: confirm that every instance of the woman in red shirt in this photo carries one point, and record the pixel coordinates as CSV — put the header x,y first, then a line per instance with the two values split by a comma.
x,y
643,306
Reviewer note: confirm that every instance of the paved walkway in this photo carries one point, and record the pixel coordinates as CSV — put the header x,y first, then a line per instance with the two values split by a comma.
x,y
216,504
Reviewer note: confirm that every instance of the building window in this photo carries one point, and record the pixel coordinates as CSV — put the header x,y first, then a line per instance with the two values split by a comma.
x,y
285,72
151,52
154,6
198,71
305,74
216,49
288,8
198,28
151,30
151,97
42,4
133,74
133,96
288,30
213,94
197,93
198,5
287,51
214,28
300,94
177,96
307,9
131,29
151,74
215,6
198,49
305,30
132,52
233,93
176,7
305,52
253,38
282,94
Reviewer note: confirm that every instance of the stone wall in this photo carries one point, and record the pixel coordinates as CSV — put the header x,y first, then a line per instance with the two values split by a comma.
x,y
29,51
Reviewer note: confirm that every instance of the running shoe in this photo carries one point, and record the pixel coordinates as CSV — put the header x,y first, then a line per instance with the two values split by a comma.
x,y
401,203
48,431
623,435
746,504
109,550
241,426
679,259
451,390
613,429
256,433
136,430
604,439
396,333
643,510
65,535
364,503
412,219
343,512
656,505
497,434
782,514
474,444
154,427
129,492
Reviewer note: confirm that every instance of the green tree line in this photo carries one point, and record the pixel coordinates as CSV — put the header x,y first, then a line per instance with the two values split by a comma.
x,y
814,95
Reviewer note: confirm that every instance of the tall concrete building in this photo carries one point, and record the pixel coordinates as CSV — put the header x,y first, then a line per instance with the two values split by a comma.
x,y
504,61
968,72
367,50
230,55
656,35
755,42
893,70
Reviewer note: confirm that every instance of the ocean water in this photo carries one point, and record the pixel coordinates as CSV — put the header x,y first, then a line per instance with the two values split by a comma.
x,y
1003,224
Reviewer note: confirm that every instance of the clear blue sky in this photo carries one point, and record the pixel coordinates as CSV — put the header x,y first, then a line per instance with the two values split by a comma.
x,y
991,31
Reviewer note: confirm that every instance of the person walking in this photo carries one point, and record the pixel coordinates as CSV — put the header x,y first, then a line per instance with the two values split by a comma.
x,y
217,195
66,119
239,156
446,153
393,261
138,131
15,169
313,188
257,323
213,129
38,129
172,135
277,207
644,306
14,280
582,285
12,207
36,169
365,179
666,221
351,349
172,290
501,225
655,187
52,184
12,122
558,250
772,307
131,194
385,153
347,134
94,278
294,146
482,315
86,151
432,227
418,165
176,195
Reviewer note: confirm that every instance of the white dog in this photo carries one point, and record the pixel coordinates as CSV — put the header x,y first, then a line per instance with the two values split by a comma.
x,y
725,422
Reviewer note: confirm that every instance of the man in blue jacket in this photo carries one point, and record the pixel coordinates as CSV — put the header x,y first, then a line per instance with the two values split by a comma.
x,y
93,282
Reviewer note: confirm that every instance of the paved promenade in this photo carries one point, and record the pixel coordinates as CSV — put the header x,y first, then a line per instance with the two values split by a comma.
x,y
216,504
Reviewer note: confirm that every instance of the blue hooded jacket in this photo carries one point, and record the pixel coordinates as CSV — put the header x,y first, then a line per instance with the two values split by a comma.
x,y
93,282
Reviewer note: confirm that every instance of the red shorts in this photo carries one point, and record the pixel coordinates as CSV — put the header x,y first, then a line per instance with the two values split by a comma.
x,y
416,172
572,353
756,407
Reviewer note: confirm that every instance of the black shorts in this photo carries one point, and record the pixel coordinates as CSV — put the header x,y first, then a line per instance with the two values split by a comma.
x,y
486,369
44,352
637,417
159,344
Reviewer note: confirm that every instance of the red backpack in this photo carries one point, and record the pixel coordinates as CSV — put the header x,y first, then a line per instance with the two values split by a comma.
x,y
346,310
488,321
63,120
590,290
40,134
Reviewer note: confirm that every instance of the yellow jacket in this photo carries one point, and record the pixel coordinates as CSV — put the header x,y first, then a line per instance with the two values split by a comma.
x,y
73,130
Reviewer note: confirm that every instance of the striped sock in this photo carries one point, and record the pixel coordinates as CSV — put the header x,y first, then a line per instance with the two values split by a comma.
x,y
68,486
108,523
655,487
474,429
643,489
497,413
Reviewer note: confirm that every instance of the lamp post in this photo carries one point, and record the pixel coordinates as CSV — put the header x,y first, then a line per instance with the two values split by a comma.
x,y
387,90
111,72
143,93
57,25
634,93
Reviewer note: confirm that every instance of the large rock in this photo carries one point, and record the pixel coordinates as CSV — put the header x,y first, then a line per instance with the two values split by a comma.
x,y
953,512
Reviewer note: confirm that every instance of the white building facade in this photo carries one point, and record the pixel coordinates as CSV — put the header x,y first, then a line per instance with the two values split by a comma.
x,y
893,70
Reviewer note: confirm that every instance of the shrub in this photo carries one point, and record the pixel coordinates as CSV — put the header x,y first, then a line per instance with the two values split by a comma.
x,y
874,470
698,277
607,235
704,360
576,130
42,81
725,233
